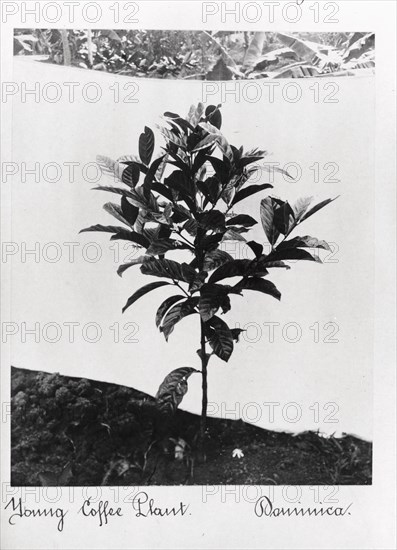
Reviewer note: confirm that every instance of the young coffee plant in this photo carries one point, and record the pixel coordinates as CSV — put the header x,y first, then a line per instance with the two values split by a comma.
x,y
185,200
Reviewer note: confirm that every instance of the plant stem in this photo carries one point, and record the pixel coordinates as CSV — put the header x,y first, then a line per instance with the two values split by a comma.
x,y
204,363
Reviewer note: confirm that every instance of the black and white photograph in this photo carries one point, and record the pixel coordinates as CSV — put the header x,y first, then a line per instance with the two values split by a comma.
x,y
197,274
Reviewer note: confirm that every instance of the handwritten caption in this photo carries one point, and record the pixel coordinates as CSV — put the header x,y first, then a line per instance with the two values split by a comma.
x,y
102,512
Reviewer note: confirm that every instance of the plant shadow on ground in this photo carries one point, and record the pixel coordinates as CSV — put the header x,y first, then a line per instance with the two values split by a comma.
x,y
79,432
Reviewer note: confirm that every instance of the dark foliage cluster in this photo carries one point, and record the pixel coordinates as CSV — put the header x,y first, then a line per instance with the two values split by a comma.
x,y
139,53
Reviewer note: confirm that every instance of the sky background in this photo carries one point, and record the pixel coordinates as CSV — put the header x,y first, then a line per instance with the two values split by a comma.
x,y
335,375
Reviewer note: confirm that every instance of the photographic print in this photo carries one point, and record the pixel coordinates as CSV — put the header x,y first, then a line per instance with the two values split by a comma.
x,y
190,268
179,201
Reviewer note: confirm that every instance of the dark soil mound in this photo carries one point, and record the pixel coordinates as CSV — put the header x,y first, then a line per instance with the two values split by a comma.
x,y
74,431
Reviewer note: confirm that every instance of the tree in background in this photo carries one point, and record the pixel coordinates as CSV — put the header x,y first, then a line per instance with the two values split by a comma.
x,y
222,55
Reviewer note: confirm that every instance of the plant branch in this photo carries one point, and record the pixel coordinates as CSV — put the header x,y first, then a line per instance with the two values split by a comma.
x,y
186,240
181,287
